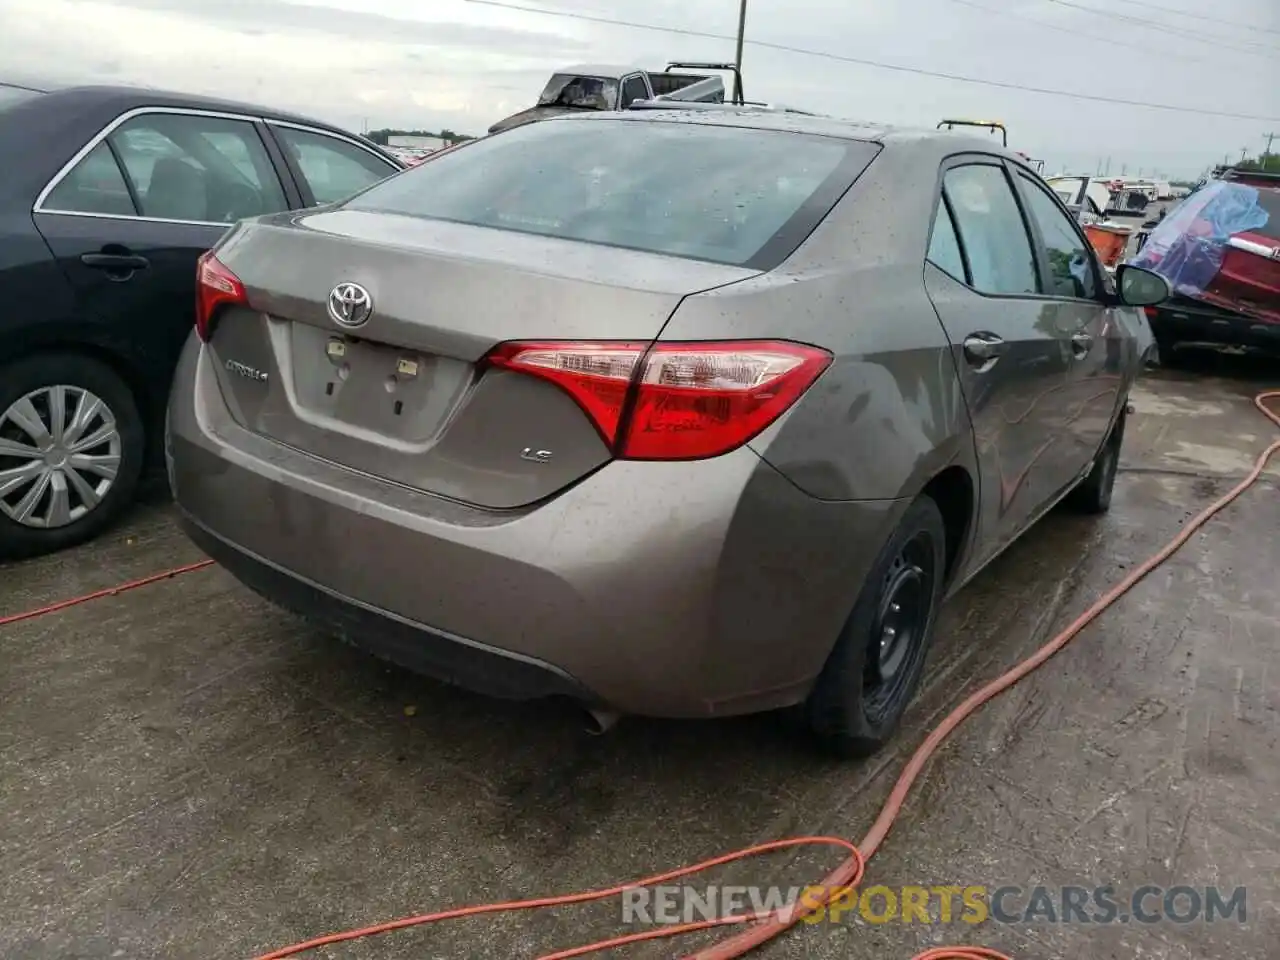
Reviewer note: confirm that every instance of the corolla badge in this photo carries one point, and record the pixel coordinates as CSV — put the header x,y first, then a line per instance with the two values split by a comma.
x,y
350,305
246,371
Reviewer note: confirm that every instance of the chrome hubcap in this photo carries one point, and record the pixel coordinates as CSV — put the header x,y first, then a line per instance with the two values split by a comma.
x,y
59,456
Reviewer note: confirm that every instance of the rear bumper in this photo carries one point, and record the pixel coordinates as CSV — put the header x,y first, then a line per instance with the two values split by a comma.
x,y
1189,321
453,659
668,589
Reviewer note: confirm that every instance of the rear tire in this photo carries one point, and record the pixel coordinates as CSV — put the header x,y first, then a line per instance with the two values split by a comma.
x,y
72,445
1093,495
877,662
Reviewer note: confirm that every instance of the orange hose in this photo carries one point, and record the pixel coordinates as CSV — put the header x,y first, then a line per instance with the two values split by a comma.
x,y
766,925
590,896
99,594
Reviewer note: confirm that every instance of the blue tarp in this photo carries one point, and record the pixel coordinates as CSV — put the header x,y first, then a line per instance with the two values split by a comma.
x,y
1188,246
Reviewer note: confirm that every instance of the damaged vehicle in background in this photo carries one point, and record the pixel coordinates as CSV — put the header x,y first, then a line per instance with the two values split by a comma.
x,y
549,416
1220,251
609,88
1086,197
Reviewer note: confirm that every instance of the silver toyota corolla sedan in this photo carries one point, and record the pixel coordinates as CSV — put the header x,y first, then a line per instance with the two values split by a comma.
x,y
682,413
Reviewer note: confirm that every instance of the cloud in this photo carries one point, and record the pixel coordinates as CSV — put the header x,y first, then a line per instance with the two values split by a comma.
x,y
418,26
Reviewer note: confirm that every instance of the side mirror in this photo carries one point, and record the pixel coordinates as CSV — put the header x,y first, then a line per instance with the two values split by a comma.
x,y
1139,287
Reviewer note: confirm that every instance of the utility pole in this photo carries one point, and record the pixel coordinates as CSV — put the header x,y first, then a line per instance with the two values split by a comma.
x,y
742,35
1243,151
1267,152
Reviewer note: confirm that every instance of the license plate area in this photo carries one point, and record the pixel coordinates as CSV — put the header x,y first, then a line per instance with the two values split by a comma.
x,y
362,386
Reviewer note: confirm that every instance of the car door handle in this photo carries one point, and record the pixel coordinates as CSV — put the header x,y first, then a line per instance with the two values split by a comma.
x,y
115,262
1081,344
983,349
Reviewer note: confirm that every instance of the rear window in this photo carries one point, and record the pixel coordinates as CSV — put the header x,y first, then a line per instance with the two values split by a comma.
x,y
728,195
1269,200
12,96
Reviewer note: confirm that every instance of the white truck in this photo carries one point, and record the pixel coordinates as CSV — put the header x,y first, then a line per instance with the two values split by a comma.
x,y
603,87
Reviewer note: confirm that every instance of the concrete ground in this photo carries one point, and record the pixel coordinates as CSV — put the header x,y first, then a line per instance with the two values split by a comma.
x,y
187,773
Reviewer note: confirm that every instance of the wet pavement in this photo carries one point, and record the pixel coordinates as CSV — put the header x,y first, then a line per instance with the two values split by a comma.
x,y
186,772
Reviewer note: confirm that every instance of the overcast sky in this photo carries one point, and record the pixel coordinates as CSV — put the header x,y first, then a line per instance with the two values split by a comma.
x,y
462,65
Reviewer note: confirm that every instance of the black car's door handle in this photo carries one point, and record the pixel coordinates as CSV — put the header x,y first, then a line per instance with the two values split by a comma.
x,y
115,262
1081,344
984,349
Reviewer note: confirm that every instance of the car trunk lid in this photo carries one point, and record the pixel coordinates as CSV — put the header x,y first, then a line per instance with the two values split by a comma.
x,y
406,396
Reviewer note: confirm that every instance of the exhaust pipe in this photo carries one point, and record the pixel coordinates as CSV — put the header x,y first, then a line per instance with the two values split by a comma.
x,y
600,722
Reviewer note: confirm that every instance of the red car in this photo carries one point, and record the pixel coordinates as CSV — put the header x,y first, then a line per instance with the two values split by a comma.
x,y
1220,251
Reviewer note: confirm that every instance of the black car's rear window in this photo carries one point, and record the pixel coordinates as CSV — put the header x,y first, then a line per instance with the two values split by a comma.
x,y
11,96
729,195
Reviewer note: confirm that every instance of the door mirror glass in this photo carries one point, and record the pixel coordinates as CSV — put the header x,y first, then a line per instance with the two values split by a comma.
x,y
1141,288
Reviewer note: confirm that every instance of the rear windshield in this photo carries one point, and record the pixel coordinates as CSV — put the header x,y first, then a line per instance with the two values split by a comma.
x,y
12,96
1269,200
729,195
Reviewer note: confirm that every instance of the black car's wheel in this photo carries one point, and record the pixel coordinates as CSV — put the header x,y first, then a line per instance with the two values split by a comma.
x,y
1093,495
71,452
1166,348
875,667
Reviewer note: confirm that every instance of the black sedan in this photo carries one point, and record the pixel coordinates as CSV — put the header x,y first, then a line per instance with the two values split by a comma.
x,y
108,198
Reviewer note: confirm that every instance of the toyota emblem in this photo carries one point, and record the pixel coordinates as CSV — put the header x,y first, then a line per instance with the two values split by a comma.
x,y
350,305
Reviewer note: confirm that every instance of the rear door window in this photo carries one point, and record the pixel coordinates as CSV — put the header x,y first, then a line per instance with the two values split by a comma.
x,y
991,228
944,245
1071,270
197,168
95,186
333,168
729,195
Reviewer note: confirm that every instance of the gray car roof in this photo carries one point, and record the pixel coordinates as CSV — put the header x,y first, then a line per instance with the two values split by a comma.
x,y
729,116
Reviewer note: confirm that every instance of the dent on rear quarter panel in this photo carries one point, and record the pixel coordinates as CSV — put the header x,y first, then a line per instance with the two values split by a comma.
x,y
888,414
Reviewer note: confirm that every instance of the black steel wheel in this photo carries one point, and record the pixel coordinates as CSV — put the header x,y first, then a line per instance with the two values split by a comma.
x,y
1093,495
876,665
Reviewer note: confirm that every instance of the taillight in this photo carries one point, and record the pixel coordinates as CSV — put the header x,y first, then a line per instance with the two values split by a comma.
x,y
1151,312
216,287
673,401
